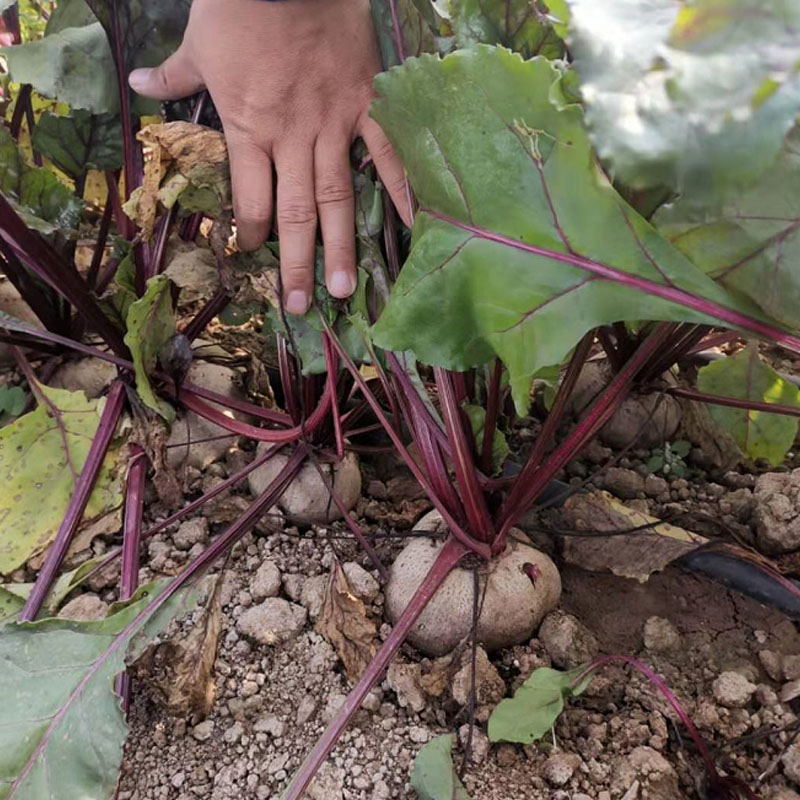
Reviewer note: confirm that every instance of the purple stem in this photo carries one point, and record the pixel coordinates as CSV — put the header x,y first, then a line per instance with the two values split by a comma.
x,y
449,557
734,402
60,275
206,411
77,504
473,501
201,501
455,528
666,292
662,687
548,431
100,246
288,379
332,365
527,489
222,545
131,539
492,413
216,305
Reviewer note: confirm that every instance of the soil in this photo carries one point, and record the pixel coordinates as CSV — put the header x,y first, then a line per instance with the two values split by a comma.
x,y
618,740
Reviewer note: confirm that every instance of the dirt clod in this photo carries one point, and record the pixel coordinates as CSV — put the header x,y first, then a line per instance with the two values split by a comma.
x,y
273,622
733,690
567,641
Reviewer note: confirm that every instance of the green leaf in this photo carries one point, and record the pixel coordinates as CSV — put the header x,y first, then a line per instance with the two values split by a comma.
x,y
151,29
37,473
151,324
73,66
417,29
537,704
515,219
746,377
695,96
521,25
12,401
42,200
69,14
500,448
433,776
752,244
61,725
80,141
14,595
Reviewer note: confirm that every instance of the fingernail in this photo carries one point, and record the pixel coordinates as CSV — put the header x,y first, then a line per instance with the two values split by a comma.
x,y
341,284
139,78
297,302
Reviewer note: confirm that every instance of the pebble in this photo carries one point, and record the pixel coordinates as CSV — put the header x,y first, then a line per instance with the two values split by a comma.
x,y
84,607
660,635
733,690
203,730
270,724
313,594
362,584
560,767
480,746
273,622
193,531
568,642
790,761
624,483
266,582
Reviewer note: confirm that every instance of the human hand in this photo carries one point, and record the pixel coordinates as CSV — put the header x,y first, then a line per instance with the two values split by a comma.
x,y
292,82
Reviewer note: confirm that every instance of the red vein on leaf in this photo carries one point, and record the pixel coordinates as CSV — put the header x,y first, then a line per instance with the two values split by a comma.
x,y
614,275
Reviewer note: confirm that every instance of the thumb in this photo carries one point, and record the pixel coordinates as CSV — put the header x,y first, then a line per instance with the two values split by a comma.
x,y
174,79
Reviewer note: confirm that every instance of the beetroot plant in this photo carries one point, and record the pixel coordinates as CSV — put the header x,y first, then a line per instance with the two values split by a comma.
x,y
616,184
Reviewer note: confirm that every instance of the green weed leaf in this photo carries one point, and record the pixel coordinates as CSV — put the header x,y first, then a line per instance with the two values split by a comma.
x,y
511,202
694,96
61,725
433,776
537,704
151,324
746,377
39,457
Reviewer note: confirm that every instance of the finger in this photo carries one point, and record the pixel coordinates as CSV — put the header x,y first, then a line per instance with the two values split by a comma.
x,y
333,189
297,225
251,181
389,167
175,78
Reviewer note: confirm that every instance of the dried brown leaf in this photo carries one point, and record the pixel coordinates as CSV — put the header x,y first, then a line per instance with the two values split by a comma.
x,y
179,674
632,555
182,161
344,623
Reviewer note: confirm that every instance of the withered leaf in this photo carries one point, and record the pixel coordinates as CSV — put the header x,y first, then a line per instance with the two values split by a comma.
x,y
180,673
344,623
183,162
630,555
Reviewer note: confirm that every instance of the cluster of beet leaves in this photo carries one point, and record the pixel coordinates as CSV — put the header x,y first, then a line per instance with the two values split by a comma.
x,y
619,182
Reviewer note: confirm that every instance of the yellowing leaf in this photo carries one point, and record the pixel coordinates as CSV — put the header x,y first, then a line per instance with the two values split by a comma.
x,y
183,162
746,377
36,479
